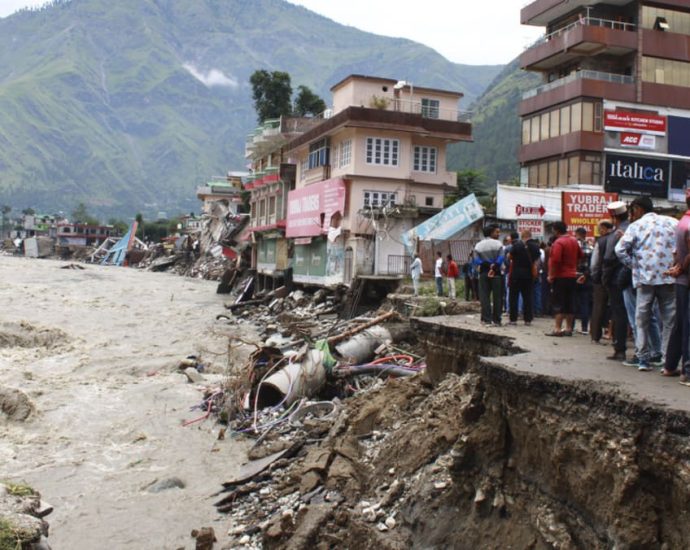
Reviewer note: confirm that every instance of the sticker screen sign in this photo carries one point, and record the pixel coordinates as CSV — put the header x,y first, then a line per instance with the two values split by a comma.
x,y
636,175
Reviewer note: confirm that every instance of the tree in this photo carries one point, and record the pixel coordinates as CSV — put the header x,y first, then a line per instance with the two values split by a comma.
x,y
467,182
28,211
139,218
6,209
271,93
81,215
120,226
308,103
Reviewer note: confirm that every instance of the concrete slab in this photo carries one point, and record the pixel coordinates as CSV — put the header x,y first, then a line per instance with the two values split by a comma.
x,y
574,358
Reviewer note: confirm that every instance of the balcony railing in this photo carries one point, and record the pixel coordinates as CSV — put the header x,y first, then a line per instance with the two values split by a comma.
x,y
578,75
586,21
414,107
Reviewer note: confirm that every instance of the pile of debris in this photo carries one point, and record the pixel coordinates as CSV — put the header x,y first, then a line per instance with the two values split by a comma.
x,y
348,471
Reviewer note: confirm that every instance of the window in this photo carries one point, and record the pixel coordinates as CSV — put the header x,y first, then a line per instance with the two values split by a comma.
x,y
565,120
555,123
535,129
379,199
544,126
576,117
428,201
588,116
382,151
425,159
430,107
345,153
666,71
318,153
525,131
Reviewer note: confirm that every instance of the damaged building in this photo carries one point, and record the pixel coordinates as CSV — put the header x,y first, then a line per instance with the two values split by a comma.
x,y
332,196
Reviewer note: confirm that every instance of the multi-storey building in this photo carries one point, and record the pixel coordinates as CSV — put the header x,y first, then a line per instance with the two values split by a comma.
x,y
373,169
272,176
228,189
614,107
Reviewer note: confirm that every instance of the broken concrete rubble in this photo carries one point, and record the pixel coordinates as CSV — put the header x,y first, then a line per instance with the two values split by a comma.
x,y
21,518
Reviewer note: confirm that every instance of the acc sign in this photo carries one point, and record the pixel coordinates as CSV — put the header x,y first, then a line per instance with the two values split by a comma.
x,y
639,141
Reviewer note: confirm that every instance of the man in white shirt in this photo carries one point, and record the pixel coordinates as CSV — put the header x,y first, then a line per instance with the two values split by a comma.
x,y
438,273
416,272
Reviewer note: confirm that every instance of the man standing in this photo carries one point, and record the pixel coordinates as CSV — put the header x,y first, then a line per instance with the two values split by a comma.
x,y
488,257
524,259
438,274
600,297
416,272
611,269
647,248
583,289
678,341
452,273
563,259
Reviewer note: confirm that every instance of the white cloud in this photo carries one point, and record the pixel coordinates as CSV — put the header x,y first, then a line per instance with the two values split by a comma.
x,y
211,78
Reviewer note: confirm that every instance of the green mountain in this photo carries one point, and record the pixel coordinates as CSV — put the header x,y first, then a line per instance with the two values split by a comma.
x,y
127,106
495,128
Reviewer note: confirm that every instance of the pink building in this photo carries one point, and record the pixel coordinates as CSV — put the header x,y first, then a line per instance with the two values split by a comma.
x,y
372,169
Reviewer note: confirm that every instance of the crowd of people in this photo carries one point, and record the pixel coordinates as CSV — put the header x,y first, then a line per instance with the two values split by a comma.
x,y
629,283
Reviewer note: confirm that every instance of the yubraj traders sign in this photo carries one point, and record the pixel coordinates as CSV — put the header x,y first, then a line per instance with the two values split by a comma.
x,y
310,208
586,210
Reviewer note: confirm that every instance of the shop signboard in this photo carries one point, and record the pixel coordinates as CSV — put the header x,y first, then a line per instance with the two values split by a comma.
x,y
634,175
624,121
586,210
310,208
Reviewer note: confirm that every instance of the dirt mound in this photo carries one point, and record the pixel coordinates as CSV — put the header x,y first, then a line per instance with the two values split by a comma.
x,y
26,335
386,458
15,404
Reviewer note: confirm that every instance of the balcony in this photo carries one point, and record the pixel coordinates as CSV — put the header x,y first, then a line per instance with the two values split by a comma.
x,y
578,84
426,111
390,119
542,12
585,38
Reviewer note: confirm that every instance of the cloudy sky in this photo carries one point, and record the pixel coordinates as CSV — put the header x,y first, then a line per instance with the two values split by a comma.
x,y
459,30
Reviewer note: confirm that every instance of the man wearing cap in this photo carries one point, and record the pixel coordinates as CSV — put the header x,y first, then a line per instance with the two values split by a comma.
x,y
611,269
680,332
647,247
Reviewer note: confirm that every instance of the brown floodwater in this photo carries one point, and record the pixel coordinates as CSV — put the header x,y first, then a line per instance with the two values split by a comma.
x,y
97,352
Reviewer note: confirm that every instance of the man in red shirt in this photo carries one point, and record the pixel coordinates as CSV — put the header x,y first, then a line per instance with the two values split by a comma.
x,y
452,273
563,260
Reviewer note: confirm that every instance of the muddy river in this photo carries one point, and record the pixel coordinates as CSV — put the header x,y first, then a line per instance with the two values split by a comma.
x,y
97,350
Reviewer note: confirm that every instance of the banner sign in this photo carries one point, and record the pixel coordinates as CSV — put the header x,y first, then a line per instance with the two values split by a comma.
x,y
586,210
623,121
310,208
446,223
636,175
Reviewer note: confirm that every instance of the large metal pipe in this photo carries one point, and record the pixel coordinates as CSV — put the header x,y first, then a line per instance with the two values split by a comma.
x,y
361,347
294,381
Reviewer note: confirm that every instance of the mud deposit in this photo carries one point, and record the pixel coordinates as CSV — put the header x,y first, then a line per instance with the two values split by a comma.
x,y
92,403
486,458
